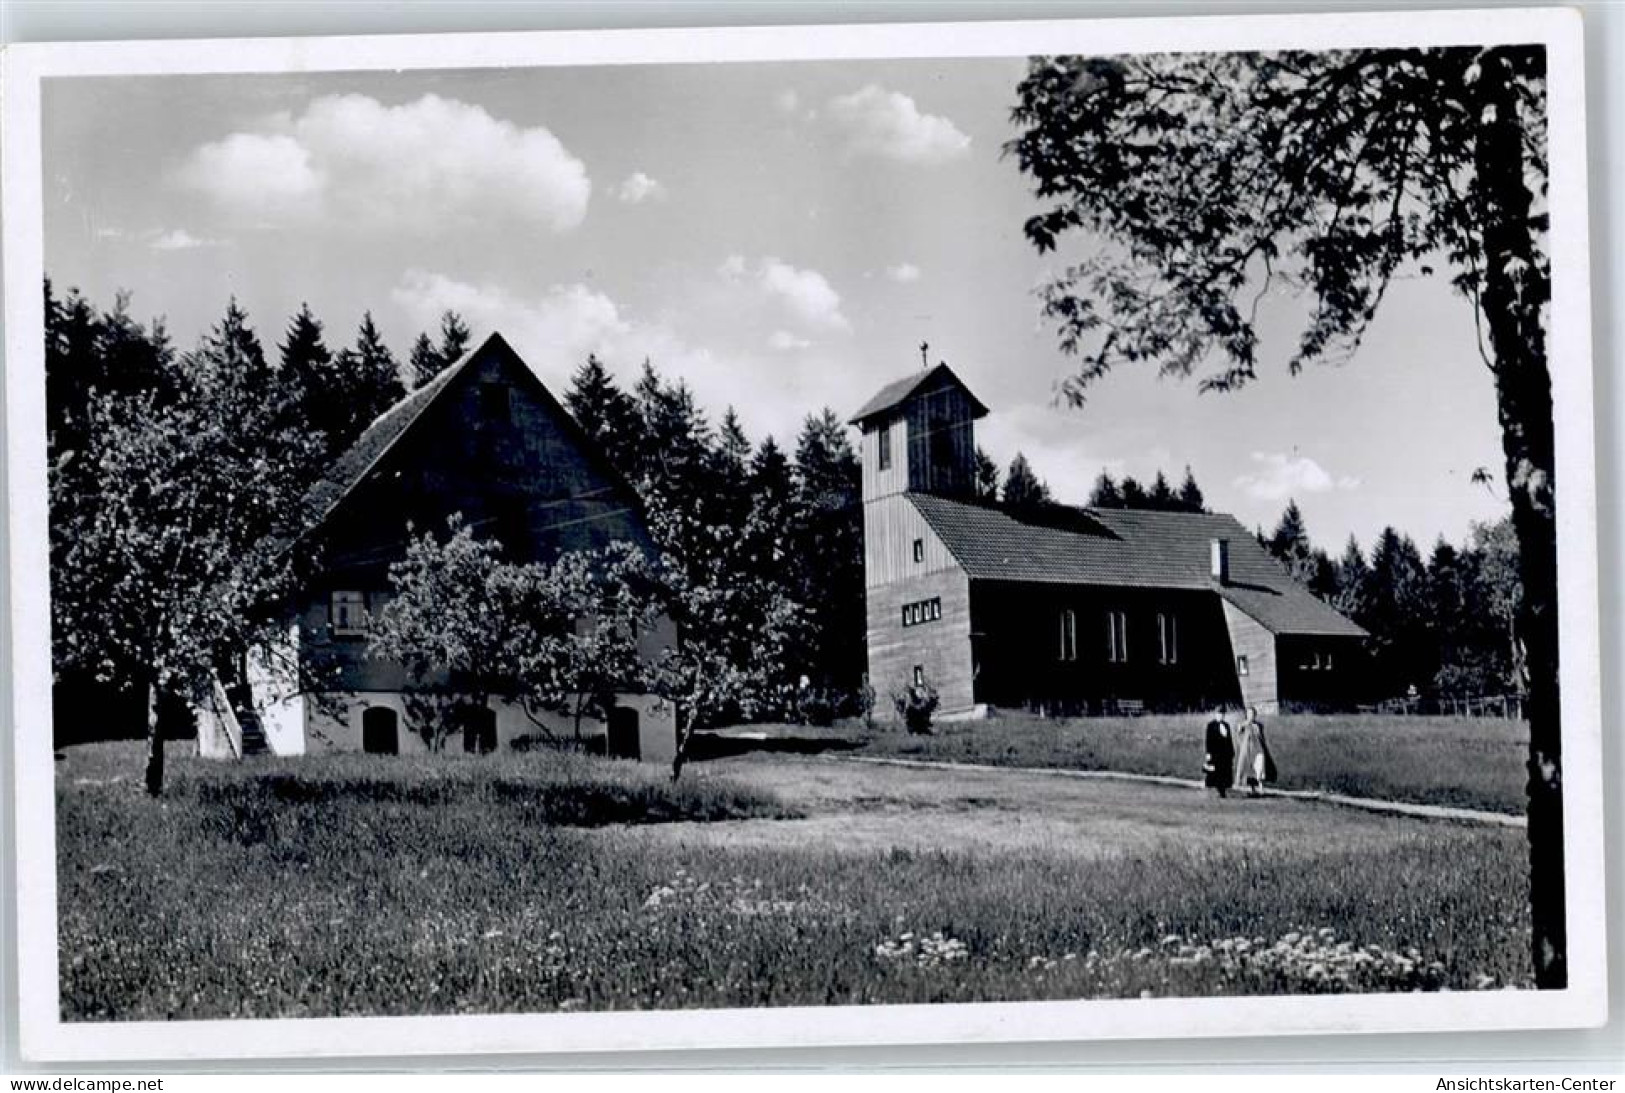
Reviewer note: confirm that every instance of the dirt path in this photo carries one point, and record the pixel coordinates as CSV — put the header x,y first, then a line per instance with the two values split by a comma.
x,y
868,806
1396,808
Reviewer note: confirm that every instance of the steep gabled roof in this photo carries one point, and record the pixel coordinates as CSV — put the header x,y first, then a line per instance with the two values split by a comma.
x,y
898,391
349,469
1129,548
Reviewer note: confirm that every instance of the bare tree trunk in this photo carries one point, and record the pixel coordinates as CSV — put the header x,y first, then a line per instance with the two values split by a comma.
x,y
1514,291
685,730
156,723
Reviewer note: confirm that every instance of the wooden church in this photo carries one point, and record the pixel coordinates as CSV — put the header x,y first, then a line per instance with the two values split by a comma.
x,y
1070,610
486,440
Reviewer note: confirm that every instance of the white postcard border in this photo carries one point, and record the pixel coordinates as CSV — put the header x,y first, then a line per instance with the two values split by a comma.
x,y
46,1037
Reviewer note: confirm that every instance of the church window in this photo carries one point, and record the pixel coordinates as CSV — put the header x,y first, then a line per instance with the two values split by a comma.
x,y
923,611
1117,637
1167,639
1069,634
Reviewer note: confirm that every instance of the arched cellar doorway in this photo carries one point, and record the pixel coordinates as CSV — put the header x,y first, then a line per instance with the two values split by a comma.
x,y
623,733
480,730
380,731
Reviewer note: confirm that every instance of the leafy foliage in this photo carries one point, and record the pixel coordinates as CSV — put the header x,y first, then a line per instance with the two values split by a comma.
x,y
469,627
178,483
1200,180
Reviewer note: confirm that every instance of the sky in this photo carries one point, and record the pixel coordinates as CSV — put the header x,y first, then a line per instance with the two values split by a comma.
x,y
781,236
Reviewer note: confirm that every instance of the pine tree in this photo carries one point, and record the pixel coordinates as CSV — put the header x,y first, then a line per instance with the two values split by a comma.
x,y
73,366
1133,494
987,479
827,548
429,360
308,369
675,444
1190,494
424,362
1290,545
1105,494
1396,613
367,381
454,337
1353,583
1162,495
729,473
1323,575
772,482
607,414
1023,492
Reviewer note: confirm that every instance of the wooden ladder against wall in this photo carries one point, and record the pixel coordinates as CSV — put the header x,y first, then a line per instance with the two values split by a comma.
x,y
227,717
244,731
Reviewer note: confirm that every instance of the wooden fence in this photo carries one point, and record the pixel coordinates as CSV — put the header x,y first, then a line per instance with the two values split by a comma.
x,y
1509,706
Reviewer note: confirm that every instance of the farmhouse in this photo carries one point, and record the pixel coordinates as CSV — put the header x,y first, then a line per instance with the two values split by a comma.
x,y
1064,609
486,440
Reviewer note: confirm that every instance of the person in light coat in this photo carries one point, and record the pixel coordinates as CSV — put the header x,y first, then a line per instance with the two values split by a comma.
x,y
1254,764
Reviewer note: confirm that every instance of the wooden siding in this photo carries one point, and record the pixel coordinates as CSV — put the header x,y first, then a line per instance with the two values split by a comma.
x,y
890,526
941,647
1261,685
941,441
1322,673
515,468
1017,649
894,479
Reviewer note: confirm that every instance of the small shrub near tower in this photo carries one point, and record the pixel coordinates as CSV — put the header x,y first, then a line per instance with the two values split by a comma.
x,y
915,704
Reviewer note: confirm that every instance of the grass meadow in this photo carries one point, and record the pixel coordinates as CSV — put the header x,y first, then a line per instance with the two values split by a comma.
x,y
1458,761
361,885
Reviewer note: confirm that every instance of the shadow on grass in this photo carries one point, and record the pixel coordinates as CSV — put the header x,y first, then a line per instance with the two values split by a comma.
x,y
710,745
269,808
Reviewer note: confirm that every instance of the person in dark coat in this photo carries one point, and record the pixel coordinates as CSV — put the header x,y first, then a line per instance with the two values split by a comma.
x,y
1219,763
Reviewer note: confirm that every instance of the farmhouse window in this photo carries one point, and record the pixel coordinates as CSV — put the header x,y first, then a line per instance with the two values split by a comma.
x,y
1069,634
919,550
1117,637
923,611
1168,639
919,675
1241,666
884,440
347,613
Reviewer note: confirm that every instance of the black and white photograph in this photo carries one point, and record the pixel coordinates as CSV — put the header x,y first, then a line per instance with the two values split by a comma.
x,y
880,534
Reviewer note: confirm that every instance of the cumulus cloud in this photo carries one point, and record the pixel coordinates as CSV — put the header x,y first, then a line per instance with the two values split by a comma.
x,y
1279,476
562,325
178,239
271,174
785,342
903,273
554,328
804,293
350,159
888,124
638,188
